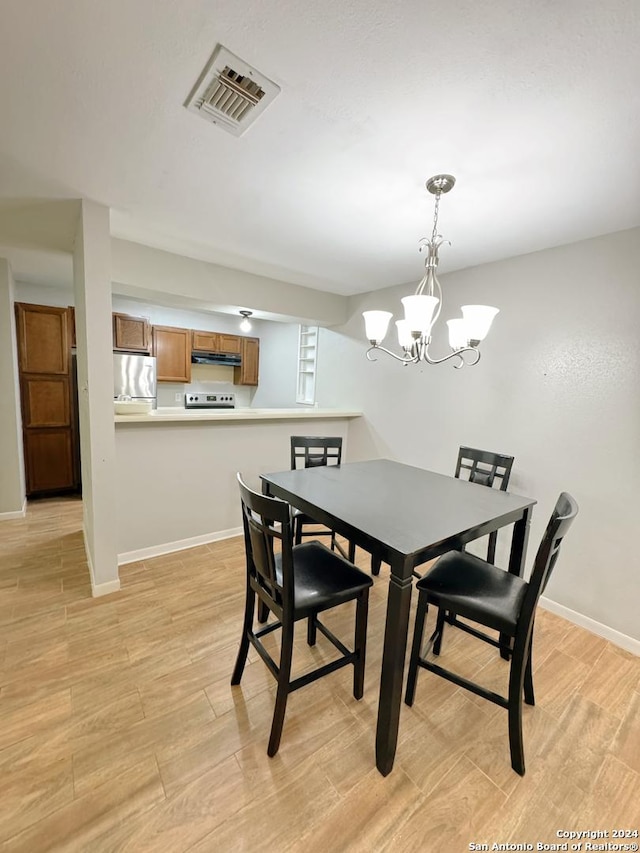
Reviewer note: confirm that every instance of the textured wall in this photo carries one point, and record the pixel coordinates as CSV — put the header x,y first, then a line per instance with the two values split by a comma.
x,y
557,387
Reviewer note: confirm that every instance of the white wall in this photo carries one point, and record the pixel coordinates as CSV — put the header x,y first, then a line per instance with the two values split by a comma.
x,y
141,271
91,269
177,481
557,387
278,366
41,294
12,484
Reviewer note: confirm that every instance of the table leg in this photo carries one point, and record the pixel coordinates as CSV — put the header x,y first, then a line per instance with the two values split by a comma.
x,y
395,645
519,543
517,556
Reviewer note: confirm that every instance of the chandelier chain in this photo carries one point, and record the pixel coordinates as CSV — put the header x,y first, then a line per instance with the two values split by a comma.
x,y
434,233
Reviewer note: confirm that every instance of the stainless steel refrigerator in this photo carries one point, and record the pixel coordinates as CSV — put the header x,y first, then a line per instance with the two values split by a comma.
x,y
134,376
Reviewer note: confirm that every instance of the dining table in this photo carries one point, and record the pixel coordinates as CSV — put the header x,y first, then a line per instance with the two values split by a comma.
x,y
404,516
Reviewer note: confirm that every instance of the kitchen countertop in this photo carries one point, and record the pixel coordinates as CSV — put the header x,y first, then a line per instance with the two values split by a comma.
x,y
179,415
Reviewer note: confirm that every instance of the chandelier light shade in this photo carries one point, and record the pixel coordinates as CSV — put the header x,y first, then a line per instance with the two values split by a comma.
x,y
245,325
422,310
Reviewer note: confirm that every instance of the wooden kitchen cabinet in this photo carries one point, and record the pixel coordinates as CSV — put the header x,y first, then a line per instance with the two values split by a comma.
x,y
172,349
49,460
131,334
229,343
43,339
247,373
216,342
46,401
204,341
48,406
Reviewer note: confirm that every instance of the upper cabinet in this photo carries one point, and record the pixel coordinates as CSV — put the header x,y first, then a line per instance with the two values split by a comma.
x,y
172,349
247,373
132,334
43,339
216,342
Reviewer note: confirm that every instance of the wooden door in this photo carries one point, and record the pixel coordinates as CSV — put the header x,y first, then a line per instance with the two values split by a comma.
x,y
172,349
247,373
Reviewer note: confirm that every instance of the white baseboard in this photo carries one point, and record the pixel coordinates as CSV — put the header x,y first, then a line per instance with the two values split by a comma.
x,y
98,589
179,545
629,644
104,588
20,513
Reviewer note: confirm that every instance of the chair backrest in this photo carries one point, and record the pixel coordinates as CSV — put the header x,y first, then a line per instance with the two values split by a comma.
x,y
484,467
565,510
315,450
267,521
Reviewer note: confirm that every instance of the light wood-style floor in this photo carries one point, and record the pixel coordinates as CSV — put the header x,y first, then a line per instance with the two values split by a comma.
x,y
119,729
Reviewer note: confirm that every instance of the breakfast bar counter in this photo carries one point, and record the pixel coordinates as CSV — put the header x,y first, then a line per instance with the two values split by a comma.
x,y
175,414
176,470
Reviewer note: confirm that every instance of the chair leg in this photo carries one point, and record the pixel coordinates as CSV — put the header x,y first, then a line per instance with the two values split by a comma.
x,y
360,643
442,613
418,633
297,531
247,626
263,612
376,562
284,677
529,696
311,629
516,678
491,549
352,552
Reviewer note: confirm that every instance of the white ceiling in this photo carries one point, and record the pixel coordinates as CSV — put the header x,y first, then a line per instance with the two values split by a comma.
x,y
533,106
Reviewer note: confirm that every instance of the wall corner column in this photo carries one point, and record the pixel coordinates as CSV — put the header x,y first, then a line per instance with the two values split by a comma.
x,y
92,286
12,482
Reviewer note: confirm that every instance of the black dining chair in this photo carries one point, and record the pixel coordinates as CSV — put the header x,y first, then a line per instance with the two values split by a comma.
x,y
295,582
497,600
486,469
310,452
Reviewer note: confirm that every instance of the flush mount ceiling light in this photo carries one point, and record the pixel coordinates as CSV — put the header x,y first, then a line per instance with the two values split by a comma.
x,y
245,325
423,308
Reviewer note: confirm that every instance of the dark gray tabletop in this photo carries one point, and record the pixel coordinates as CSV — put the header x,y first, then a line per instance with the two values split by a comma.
x,y
407,510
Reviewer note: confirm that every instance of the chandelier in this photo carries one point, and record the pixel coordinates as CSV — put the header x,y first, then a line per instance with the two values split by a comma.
x,y
423,308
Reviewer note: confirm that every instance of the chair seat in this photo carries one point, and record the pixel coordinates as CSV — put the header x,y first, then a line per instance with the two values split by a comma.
x,y
473,588
322,578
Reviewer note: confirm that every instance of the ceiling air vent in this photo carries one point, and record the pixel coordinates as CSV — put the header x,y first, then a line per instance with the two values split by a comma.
x,y
230,93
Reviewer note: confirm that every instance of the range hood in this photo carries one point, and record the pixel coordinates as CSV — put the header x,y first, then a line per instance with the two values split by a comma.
x,y
230,359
